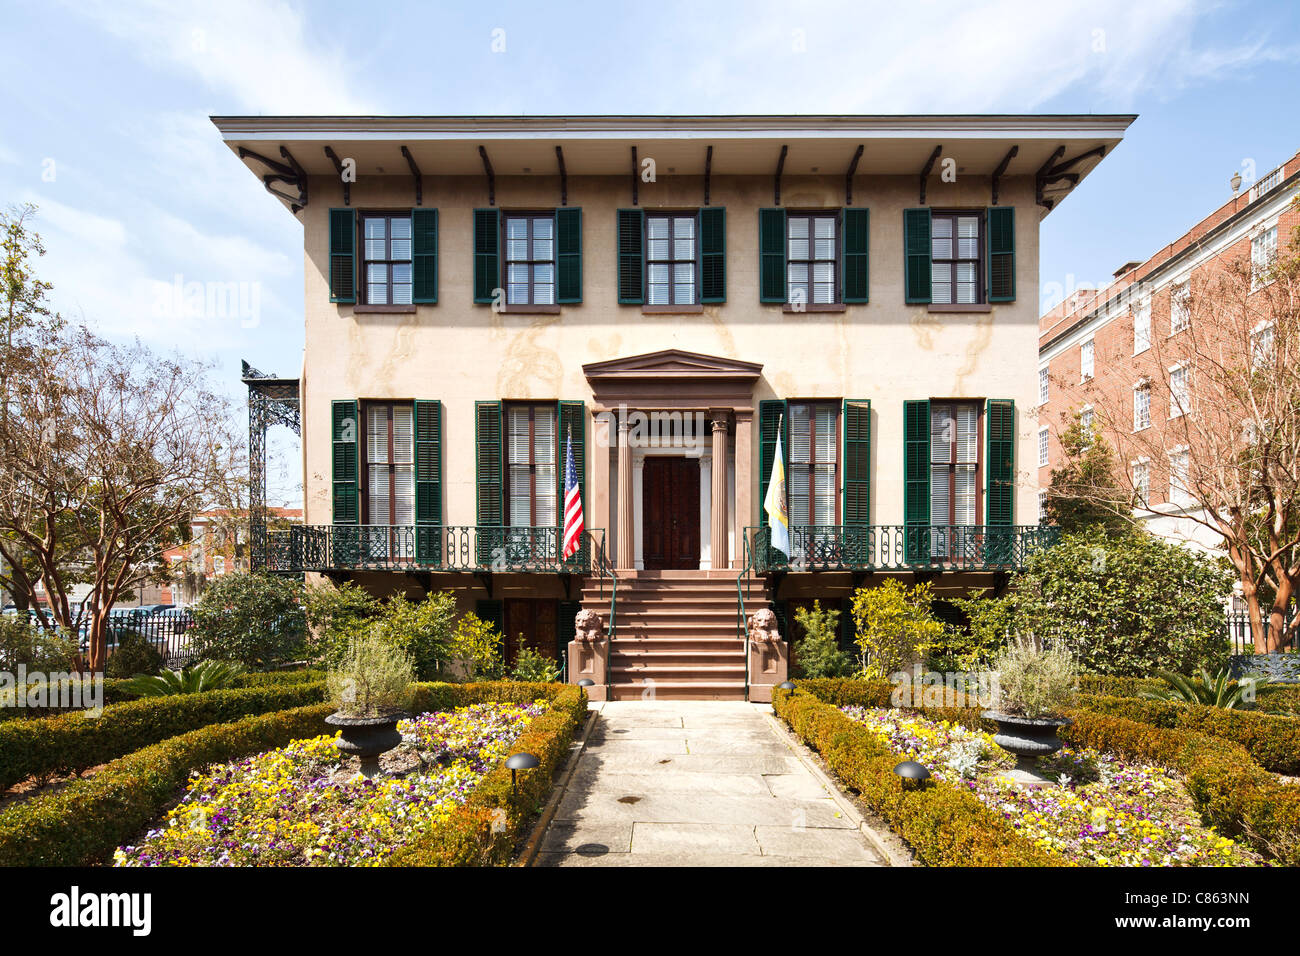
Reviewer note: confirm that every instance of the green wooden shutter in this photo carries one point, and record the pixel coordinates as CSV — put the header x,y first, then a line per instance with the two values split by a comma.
x,y
631,262
424,255
771,416
771,255
568,255
856,493
1002,253
916,254
344,427
713,254
343,255
487,458
487,253
916,481
1000,466
428,482
855,248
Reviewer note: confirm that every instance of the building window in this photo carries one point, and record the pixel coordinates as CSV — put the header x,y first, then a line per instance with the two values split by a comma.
x,y
531,454
1085,426
814,480
1142,483
954,463
1042,448
1044,386
1178,397
955,271
1179,494
1141,407
219,565
1042,507
1087,360
1261,347
1180,312
1263,255
530,259
390,468
387,270
670,260
812,256
1142,328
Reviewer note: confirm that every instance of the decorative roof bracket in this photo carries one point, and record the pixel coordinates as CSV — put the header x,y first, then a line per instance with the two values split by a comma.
x,y
929,165
780,168
491,176
1002,168
848,177
564,177
415,171
338,166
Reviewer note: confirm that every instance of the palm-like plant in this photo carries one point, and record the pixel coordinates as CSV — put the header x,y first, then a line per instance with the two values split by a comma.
x,y
205,675
1216,691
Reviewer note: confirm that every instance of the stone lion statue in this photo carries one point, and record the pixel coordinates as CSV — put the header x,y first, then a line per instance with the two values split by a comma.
x,y
762,626
587,626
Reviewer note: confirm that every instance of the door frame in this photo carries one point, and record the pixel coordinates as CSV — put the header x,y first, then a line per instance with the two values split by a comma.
x,y
639,456
699,544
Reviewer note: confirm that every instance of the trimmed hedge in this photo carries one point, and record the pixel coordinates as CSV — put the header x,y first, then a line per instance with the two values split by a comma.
x,y
84,822
484,830
1282,699
1232,793
848,691
1272,740
72,742
943,825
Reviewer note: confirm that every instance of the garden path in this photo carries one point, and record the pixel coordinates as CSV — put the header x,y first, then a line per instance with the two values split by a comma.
x,y
700,783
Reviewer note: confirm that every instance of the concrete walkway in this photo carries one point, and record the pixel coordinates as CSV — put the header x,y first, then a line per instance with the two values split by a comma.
x,y
698,783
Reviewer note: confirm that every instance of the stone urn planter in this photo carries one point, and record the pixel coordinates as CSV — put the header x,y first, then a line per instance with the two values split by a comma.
x,y
1028,738
366,738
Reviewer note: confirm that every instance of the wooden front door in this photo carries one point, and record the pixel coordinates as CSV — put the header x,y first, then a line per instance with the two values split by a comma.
x,y
670,515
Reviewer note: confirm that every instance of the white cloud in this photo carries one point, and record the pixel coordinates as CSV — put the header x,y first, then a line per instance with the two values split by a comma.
x,y
252,53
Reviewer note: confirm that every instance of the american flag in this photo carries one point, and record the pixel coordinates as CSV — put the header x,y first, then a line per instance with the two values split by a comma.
x,y
572,503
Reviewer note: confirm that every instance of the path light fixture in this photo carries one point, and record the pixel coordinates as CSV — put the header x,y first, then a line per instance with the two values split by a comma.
x,y
586,682
787,686
520,761
913,773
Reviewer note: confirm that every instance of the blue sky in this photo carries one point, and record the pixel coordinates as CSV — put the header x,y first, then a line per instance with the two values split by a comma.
x,y
106,123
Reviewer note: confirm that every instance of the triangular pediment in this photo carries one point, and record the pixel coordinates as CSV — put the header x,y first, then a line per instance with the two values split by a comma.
x,y
673,364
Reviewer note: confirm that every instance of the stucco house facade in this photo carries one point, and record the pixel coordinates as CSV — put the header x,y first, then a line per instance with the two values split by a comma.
x,y
669,295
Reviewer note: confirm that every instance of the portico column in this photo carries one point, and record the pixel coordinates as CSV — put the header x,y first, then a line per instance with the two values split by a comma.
x,y
744,481
626,511
598,485
718,503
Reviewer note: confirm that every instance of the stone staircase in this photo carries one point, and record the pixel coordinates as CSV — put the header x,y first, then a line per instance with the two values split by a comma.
x,y
675,635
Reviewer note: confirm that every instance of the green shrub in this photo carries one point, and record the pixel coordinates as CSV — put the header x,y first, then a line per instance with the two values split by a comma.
x,y
991,622
893,626
254,619
424,630
1125,605
1281,699
336,614
532,666
374,680
133,655
476,644
205,675
1033,681
73,742
818,653
24,643
1217,691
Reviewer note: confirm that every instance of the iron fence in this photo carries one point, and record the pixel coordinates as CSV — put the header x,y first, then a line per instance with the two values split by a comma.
x,y
885,547
1238,627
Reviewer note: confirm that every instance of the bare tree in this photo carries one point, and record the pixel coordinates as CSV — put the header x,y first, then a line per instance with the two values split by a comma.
x,y
1212,412
106,451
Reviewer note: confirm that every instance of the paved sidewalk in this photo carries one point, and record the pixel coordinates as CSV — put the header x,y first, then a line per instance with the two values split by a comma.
x,y
697,783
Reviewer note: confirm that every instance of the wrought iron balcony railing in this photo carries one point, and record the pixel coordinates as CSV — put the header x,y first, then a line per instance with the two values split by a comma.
x,y
367,547
905,547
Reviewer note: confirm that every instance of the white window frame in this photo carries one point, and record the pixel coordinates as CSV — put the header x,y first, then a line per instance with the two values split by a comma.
x,y
1178,408
1185,499
1042,505
1141,423
1088,368
1142,485
1180,315
1260,357
1086,420
1044,386
1043,444
1143,343
1263,254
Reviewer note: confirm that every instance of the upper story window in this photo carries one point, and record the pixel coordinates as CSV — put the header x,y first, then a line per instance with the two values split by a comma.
x,y
1261,347
1087,352
954,462
531,455
219,564
530,259
1263,255
956,245
670,259
1141,407
1042,447
814,478
389,465
1141,482
1142,327
1085,425
1044,386
1180,311
386,273
1042,507
812,243
1178,394
1179,490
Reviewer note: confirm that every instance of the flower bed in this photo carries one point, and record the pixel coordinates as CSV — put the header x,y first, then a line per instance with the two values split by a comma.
x,y
294,807
1107,811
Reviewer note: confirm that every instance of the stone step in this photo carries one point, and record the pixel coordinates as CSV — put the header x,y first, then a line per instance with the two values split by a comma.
x,y
680,690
